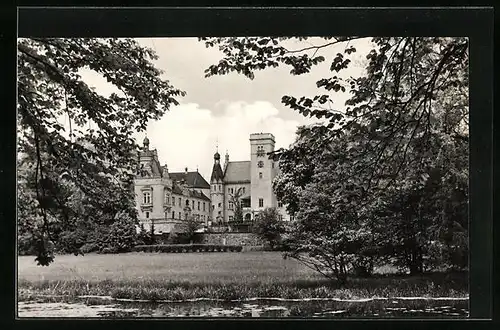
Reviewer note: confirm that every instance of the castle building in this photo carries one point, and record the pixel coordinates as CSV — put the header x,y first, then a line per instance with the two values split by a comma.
x,y
167,199
249,182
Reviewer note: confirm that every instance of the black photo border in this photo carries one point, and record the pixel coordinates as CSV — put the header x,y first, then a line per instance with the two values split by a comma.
x,y
473,22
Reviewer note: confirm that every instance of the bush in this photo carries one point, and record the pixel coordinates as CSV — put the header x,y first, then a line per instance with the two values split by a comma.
x,y
185,248
89,247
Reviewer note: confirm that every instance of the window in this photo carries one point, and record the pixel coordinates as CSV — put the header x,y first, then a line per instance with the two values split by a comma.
x,y
261,202
187,202
180,202
220,205
230,218
198,206
260,175
173,202
230,205
147,215
180,217
260,164
192,205
213,206
167,199
260,150
146,198
173,215
280,204
203,206
280,217
220,189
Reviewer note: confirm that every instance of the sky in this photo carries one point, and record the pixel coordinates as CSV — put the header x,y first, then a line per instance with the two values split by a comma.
x,y
222,111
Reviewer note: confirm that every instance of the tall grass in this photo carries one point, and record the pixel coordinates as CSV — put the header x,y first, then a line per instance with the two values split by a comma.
x,y
154,290
231,276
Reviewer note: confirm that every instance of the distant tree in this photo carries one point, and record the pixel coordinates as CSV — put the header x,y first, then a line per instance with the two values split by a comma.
x,y
143,237
268,226
388,170
152,233
97,156
235,199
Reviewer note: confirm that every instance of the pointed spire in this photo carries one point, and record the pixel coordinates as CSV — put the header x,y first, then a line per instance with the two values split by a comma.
x,y
145,142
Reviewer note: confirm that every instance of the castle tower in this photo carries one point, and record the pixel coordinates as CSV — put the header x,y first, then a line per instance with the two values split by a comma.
x,y
217,190
262,171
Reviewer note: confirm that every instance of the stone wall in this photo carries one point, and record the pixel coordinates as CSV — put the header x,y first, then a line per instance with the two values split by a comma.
x,y
243,239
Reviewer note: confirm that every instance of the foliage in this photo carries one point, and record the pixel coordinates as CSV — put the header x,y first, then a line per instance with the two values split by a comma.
x,y
122,234
142,236
238,209
176,248
385,175
268,226
185,232
96,157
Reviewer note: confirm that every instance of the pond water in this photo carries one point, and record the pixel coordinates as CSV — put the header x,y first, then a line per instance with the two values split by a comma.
x,y
383,308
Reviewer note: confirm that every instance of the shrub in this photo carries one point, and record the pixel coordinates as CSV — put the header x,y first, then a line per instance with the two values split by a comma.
x,y
185,248
89,247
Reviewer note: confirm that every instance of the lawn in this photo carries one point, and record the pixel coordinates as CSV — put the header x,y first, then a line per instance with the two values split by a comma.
x,y
227,276
191,267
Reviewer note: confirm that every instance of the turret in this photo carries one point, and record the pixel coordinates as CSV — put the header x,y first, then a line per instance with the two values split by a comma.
x,y
226,161
217,190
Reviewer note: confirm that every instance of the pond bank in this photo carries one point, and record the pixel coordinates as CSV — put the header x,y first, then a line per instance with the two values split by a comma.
x,y
370,308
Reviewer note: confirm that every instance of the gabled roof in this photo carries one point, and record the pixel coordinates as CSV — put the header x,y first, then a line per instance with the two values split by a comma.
x,y
193,179
237,172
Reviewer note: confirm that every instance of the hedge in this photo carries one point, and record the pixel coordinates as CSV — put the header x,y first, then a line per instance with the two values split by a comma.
x,y
180,248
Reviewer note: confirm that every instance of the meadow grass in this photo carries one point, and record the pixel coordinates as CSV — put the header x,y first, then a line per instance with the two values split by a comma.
x,y
225,276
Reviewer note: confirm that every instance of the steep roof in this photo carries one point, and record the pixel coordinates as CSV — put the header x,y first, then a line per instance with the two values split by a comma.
x,y
198,194
193,179
237,172
176,189
217,173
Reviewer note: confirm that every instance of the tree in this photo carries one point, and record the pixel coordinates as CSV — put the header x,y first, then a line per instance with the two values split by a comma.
x,y
186,230
378,166
235,199
97,156
268,226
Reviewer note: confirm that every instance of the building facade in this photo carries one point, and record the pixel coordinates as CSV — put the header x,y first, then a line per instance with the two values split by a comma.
x,y
168,199
248,182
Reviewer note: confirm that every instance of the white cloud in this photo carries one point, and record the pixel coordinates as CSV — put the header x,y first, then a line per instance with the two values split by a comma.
x,y
187,135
